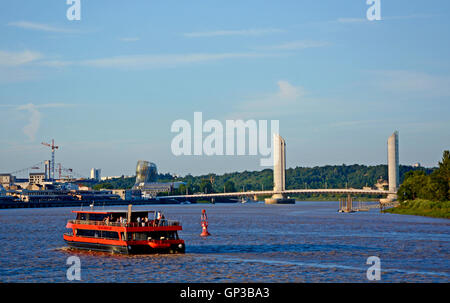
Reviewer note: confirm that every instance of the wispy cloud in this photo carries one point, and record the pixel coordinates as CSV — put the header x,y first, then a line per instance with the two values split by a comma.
x,y
289,92
18,58
14,66
40,27
55,63
34,120
169,60
149,61
274,104
240,32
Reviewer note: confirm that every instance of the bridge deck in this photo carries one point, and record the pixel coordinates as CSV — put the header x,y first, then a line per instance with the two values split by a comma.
x,y
289,192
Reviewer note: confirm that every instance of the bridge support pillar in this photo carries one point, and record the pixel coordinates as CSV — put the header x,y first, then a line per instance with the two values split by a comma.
x,y
279,172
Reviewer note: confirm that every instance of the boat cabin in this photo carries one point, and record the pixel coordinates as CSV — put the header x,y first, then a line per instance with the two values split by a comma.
x,y
114,215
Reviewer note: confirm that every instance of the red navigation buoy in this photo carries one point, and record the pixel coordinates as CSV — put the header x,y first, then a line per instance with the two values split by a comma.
x,y
205,232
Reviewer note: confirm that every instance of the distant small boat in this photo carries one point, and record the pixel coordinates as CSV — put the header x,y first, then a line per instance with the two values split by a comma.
x,y
248,200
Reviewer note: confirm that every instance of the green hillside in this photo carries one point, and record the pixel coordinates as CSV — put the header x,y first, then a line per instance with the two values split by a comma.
x,y
330,176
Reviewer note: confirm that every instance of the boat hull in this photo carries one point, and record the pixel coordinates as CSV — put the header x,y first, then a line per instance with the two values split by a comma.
x,y
122,249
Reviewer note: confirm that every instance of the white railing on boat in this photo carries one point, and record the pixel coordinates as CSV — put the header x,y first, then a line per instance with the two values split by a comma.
x,y
152,223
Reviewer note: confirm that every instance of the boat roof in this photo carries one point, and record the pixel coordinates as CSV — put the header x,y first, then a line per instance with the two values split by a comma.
x,y
112,211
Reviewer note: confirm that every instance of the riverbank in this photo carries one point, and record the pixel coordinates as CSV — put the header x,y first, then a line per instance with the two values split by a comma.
x,y
421,207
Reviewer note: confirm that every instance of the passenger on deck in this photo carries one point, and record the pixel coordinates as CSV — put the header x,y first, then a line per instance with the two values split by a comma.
x,y
161,219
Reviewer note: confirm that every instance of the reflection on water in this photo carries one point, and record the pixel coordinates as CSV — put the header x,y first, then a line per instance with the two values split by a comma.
x,y
305,242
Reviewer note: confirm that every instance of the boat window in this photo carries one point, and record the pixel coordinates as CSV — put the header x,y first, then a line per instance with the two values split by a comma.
x,y
110,234
139,236
91,217
163,235
97,234
81,216
97,217
127,238
87,233
144,236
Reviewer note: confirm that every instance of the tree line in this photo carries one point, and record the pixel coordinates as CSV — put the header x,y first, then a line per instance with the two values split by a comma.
x,y
329,176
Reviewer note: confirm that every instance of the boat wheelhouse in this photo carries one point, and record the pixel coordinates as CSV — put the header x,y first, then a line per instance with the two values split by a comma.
x,y
125,232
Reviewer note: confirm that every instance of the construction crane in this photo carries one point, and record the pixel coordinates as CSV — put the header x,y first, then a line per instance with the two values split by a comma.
x,y
53,147
35,166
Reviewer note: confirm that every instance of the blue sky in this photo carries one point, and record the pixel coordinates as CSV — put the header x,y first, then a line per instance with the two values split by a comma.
x,y
108,87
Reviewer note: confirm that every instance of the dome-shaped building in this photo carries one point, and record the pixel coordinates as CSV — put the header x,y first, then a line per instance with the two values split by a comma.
x,y
146,172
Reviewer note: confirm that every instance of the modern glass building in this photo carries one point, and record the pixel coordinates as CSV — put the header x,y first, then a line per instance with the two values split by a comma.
x,y
146,172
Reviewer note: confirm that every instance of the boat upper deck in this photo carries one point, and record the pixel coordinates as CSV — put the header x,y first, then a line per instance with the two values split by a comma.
x,y
122,218
151,223
112,211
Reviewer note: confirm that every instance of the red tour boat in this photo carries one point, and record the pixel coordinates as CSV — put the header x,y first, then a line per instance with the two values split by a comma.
x,y
126,232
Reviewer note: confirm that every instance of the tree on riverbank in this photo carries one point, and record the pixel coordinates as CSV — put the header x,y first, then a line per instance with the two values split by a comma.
x,y
426,194
434,186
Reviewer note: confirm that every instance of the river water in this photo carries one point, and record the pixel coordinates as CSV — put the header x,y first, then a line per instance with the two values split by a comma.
x,y
252,242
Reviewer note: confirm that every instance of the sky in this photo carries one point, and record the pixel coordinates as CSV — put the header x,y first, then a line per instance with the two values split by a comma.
x,y
108,87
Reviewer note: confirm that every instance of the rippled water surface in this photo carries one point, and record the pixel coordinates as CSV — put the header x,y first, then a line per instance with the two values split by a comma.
x,y
305,242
